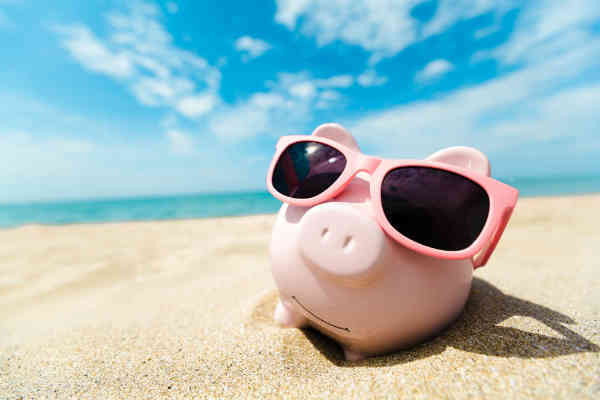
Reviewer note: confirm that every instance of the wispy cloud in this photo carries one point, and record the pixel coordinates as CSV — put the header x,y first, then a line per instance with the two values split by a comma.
x,y
140,53
262,111
383,27
449,12
288,102
327,98
488,30
546,29
93,54
370,78
195,106
251,47
509,116
433,70
338,81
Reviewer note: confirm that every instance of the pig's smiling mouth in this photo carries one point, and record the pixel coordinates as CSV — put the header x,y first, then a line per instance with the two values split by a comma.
x,y
317,317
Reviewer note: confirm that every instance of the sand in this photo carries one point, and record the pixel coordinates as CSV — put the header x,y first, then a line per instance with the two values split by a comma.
x,y
182,309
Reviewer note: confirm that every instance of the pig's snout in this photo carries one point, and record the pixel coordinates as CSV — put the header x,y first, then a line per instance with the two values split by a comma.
x,y
342,242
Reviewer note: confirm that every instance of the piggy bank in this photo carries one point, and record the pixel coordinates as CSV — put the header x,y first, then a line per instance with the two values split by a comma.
x,y
339,272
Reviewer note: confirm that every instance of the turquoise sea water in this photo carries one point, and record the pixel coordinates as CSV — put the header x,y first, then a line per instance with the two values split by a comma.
x,y
215,205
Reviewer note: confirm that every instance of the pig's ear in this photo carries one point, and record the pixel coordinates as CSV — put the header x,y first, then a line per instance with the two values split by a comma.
x,y
338,133
464,157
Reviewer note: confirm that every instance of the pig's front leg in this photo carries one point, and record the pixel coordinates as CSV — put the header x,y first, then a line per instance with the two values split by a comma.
x,y
352,355
288,318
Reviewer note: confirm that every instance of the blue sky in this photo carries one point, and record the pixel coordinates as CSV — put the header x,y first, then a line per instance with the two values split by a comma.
x,y
120,98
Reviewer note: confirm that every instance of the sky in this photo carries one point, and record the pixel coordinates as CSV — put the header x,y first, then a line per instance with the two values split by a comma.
x,y
127,98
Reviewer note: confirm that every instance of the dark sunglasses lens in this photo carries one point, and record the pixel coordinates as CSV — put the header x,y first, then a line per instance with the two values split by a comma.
x,y
433,207
306,169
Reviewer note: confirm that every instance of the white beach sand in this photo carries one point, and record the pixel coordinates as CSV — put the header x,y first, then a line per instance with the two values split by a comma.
x,y
182,309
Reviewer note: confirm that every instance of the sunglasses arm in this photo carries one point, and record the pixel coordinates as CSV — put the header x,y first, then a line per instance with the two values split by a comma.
x,y
484,255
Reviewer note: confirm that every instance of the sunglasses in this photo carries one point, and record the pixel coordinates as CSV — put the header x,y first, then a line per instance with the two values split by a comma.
x,y
433,208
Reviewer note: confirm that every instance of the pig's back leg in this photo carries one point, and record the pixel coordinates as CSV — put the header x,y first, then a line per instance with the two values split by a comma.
x,y
288,318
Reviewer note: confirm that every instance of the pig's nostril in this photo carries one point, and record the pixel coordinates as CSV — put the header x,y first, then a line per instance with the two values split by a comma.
x,y
348,243
325,233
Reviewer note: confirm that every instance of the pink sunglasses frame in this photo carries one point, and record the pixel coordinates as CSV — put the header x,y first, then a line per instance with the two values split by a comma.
x,y
503,198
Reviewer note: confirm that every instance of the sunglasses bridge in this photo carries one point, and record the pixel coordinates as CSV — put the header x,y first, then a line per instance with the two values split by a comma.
x,y
367,163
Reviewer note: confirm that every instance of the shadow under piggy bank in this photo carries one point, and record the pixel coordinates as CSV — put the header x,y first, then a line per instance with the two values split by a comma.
x,y
477,330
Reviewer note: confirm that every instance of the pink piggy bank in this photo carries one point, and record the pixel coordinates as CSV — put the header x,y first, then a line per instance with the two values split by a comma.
x,y
338,271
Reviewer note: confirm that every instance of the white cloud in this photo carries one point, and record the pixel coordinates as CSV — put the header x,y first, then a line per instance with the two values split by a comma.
x,y
140,53
386,27
156,91
330,95
241,121
288,103
93,54
327,98
567,113
383,27
289,11
547,28
251,47
303,90
511,116
172,7
180,143
378,26
195,106
450,12
267,112
267,101
433,70
488,30
338,81
370,78
480,55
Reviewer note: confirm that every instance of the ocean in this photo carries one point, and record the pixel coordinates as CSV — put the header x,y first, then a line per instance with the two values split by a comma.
x,y
216,205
